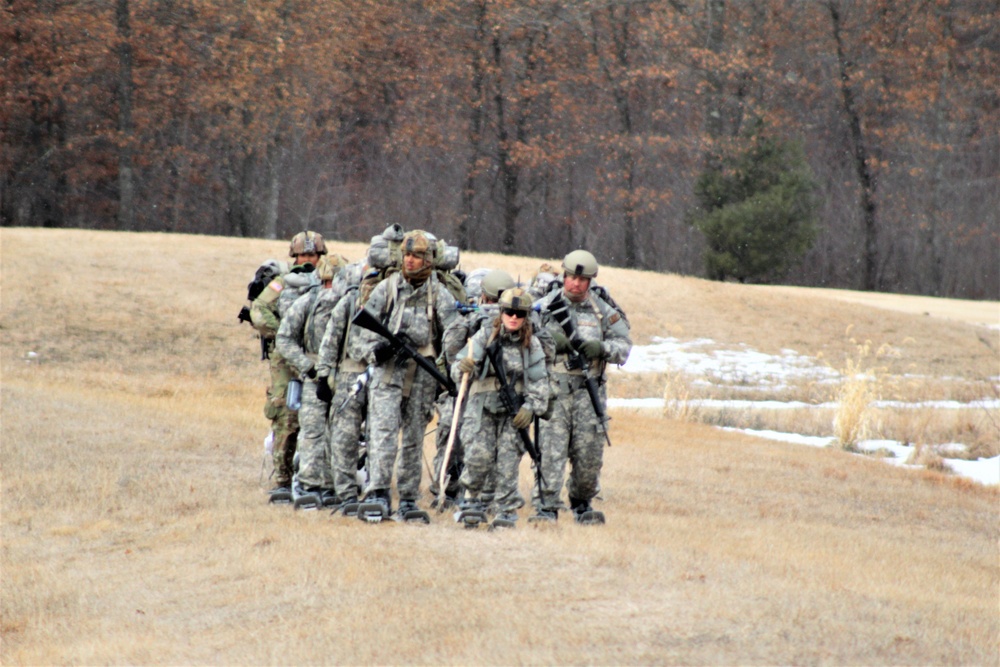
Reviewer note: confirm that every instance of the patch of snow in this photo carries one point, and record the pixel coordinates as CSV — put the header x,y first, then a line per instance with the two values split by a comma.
x,y
740,366
745,368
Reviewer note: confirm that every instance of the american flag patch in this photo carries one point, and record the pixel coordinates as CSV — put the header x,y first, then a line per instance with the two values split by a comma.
x,y
276,286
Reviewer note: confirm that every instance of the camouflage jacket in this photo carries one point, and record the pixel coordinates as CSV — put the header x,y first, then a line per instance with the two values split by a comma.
x,y
304,324
341,341
593,319
420,313
524,366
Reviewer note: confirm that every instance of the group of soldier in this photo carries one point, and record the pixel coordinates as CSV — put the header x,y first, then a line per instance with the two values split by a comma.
x,y
362,354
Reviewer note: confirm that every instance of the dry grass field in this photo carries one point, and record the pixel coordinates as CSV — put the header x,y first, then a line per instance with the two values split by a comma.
x,y
135,530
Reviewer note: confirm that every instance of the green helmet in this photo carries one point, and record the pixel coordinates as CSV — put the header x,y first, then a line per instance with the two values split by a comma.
x,y
306,243
580,263
516,298
495,283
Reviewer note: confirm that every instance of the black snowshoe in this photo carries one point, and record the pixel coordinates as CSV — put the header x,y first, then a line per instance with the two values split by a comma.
x,y
408,511
374,509
471,514
585,515
348,508
544,516
280,495
306,498
504,520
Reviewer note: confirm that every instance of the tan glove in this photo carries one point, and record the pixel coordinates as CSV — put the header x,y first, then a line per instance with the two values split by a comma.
x,y
466,365
523,417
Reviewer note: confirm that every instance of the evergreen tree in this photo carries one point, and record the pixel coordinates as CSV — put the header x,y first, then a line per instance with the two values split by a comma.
x,y
757,210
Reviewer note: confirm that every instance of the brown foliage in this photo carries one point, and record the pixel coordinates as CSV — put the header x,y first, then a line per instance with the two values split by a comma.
x,y
513,126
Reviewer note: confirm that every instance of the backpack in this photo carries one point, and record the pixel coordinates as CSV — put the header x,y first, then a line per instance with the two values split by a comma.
x,y
265,273
453,284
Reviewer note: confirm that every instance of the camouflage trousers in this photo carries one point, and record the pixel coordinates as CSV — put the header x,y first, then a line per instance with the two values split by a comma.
x,y
284,422
493,451
573,434
313,446
345,435
400,405
446,410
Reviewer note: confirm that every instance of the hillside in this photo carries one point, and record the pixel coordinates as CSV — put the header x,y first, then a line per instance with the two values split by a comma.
x,y
134,528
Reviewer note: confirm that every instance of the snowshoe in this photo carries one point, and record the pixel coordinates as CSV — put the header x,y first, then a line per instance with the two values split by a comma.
x,y
408,511
305,498
308,501
590,517
329,498
584,514
374,509
471,516
544,516
504,520
280,495
348,508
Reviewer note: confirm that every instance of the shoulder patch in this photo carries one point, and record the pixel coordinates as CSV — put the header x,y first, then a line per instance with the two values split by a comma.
x,y
276,285
614,318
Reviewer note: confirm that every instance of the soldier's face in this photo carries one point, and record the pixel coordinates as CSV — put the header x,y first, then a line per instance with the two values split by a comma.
x,y
307,258
512,320
575,287
413,263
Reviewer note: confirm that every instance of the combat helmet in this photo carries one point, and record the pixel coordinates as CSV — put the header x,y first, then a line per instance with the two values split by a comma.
x,y
474,283
327,268
495,283
420,243
517,299
307,242
580,263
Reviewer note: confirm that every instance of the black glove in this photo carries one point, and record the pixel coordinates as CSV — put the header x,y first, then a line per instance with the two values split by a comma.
x,y
383,353
311,373
323,391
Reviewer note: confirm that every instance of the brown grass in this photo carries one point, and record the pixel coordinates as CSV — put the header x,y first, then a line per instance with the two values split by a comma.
x,y
134,529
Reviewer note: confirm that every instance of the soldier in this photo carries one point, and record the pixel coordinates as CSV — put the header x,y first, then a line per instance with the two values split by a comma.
x,y
489,431
305,250
490,285
415,304
589,332
298,342
342,375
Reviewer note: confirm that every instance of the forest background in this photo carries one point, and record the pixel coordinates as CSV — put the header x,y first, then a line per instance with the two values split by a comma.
x,y
515,126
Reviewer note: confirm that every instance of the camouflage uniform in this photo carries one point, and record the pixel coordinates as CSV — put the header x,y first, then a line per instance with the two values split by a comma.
x,y
298,342
492,444
453,340
573,432
266,313
402,394
341,360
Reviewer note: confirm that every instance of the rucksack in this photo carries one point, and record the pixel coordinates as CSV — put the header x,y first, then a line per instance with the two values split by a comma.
x,y
265,273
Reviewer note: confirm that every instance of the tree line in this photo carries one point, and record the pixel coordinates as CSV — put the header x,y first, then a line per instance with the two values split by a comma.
x,y
517,126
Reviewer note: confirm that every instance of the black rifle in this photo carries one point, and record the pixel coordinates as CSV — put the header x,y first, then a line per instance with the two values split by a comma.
x,y
513,402
559,310
403,349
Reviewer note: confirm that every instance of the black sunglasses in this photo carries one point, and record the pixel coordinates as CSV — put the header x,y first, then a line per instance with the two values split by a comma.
x,y
514,313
